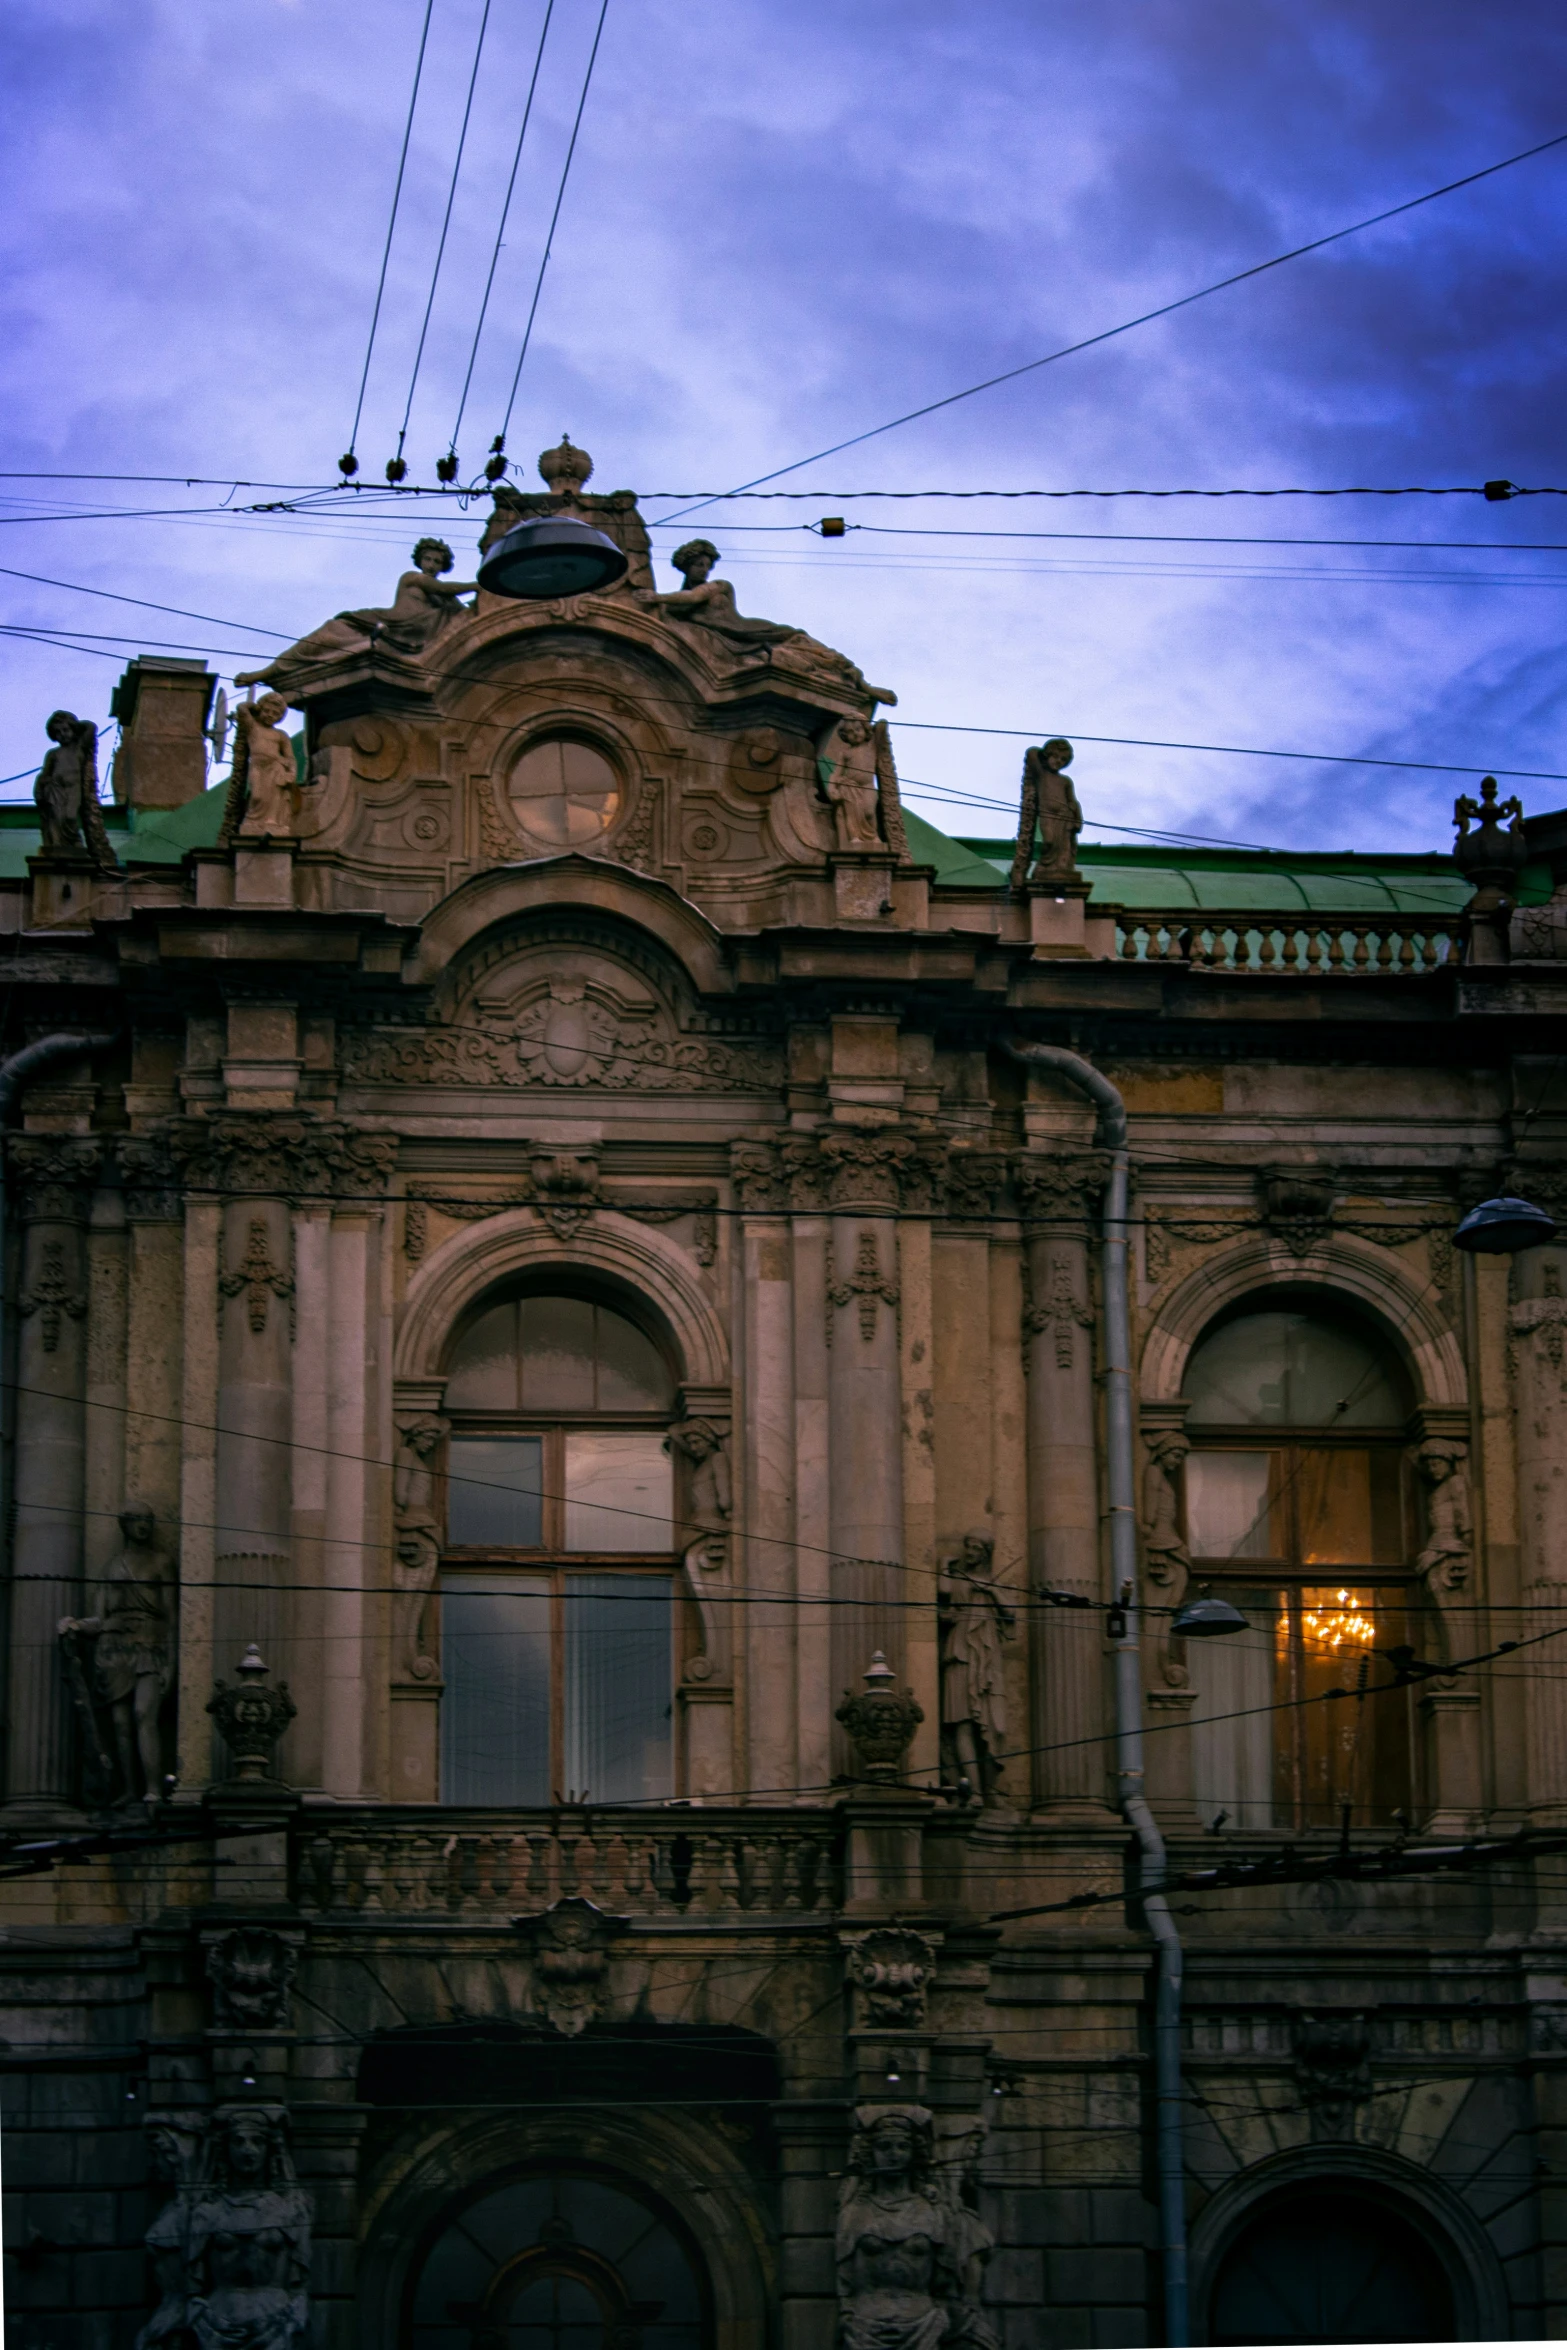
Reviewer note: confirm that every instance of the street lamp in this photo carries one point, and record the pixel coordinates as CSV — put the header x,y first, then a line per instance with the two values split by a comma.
x,y
1205,1617
1500,1227
557,556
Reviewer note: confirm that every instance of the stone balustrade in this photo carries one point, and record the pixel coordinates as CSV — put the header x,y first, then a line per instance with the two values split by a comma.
x,y
1291,942
685,1862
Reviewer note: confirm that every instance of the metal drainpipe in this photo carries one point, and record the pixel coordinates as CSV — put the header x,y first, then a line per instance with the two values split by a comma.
x,y
67,1045
1128,1676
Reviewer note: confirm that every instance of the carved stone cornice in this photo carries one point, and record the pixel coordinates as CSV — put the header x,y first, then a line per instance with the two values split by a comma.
x,y
566,1189
1059,1187
54,1175
285,1157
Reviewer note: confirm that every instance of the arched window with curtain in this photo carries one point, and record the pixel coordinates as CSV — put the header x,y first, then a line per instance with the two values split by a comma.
x,y
1298,1511
558,1589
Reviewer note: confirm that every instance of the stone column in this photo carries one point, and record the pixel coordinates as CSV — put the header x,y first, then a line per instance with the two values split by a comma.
x,y
108,1283
154,1301
863,1172
255,1343
1057,1192
351,1559
771,1763
54,1176
1537,1329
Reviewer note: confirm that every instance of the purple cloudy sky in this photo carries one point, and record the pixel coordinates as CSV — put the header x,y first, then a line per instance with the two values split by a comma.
x,y
786,224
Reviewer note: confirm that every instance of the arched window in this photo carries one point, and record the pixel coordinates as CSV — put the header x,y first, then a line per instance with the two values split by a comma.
x,y
1297,1510
568,2262
558,1586
1329,2263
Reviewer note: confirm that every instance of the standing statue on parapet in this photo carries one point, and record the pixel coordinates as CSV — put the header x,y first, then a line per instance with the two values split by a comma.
x,y
1049,809
426,602
847,768
133,1652
973,1620
66,791
263,778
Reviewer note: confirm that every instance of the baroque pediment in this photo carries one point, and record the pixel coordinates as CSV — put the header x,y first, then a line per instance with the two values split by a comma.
x,y
560,1012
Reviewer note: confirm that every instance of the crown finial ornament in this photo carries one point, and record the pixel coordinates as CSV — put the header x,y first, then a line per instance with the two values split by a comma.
x,y
251,1716
564,468
880,1720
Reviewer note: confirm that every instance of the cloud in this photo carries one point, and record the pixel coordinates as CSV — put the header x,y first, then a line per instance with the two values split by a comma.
x,y
783,228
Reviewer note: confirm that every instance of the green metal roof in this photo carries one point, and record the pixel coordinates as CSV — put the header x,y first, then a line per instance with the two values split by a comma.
x,y
1266,880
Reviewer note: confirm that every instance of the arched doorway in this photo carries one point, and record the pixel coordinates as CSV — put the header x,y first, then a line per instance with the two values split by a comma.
x,y
571,2259
1329,2263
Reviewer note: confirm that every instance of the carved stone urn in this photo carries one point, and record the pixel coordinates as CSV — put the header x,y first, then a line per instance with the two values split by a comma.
x,y
251,1716
880,1720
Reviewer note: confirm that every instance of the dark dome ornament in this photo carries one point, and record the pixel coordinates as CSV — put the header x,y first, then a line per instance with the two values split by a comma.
x,y
555,556
1502,1226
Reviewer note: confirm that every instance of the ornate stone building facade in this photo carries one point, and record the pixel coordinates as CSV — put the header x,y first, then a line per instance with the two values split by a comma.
x,y
561,1626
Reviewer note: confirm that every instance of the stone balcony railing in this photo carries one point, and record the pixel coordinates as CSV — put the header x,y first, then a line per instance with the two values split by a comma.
x,y
686,1862
1292,942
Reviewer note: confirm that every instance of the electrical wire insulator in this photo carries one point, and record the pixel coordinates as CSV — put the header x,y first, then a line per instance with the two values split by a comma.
x,y
494,468
396,469
1496,491
348,465
446,467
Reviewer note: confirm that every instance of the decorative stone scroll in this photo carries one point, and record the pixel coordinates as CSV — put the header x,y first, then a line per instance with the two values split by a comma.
x,y
52,1296
569,1032
251,1970
569,1943
865,1285
892,1969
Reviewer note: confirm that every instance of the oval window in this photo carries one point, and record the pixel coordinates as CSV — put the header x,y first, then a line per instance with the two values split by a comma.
x,y
564,792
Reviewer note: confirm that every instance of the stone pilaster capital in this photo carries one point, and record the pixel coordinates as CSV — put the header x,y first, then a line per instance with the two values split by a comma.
x,y
757,1172
54,1175
287,1157
881,1167
1059,1187
970,1183
150,1176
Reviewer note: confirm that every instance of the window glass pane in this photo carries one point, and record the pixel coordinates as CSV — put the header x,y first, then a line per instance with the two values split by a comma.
x,y
619,1686
633,1376
495,1714
1355,1753
557,1354
619,1491
494,1488
1233,1719
1333,1508
483,1376
1227,1513
1281,1370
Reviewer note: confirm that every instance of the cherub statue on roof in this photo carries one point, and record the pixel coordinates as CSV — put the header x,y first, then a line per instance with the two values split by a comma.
x,y
1049,810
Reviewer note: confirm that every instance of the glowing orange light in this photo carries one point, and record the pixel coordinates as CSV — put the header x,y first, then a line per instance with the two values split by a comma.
x,y
1335,1627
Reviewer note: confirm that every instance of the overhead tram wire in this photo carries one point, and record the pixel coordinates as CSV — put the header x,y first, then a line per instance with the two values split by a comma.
x,y
549,241
396,466
1017,733
348,463
1146,317
1226,750
484,304
1492,491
